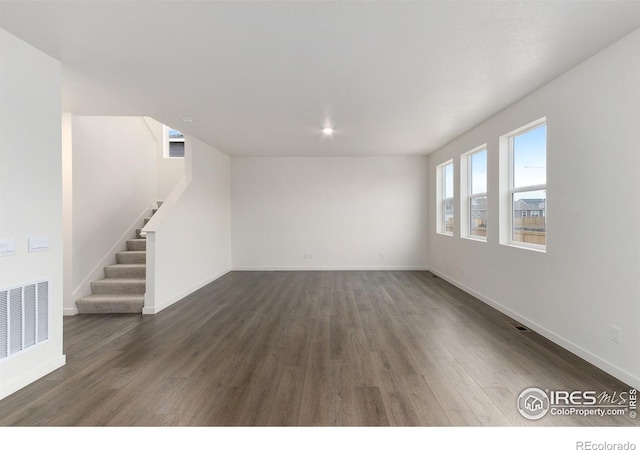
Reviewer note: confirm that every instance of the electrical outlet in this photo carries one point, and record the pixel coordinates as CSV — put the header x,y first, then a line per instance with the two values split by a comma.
x,y
381,255
616,334
308,256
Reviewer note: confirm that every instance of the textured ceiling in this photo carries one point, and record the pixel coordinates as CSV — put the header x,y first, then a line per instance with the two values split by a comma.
x,y
262,78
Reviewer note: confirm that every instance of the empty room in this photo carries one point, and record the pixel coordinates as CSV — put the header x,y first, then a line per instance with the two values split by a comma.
x,y
320,214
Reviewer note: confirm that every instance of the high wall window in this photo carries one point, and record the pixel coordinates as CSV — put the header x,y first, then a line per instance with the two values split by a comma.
x,y
445,192
173,143
528,186
474,190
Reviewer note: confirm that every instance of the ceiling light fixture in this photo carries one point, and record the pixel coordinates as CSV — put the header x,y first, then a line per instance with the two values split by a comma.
x,y
187,120
327,130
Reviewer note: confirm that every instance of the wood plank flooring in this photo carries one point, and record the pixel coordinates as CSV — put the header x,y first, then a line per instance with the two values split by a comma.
x,y
346,348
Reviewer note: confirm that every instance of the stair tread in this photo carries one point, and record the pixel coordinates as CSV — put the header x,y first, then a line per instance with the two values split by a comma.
x,y
128,265
121,280
137,244
131,257
126,270
111,304
119,286
112,297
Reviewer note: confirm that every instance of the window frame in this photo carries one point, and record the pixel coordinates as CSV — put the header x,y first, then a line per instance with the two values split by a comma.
x,y
466,188
441,179
512,191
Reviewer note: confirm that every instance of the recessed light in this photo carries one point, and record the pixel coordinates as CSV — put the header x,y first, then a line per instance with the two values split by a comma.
x,y
187,120
327,131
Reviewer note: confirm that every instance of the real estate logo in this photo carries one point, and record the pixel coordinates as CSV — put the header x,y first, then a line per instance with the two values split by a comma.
x,y
533,403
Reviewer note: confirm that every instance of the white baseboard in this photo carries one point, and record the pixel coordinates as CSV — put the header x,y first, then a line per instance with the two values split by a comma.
x,y
597,361
69,311
314,268
157,309
109,258
18,383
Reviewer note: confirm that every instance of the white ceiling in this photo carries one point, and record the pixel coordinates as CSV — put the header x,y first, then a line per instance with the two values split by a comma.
x,y
262,78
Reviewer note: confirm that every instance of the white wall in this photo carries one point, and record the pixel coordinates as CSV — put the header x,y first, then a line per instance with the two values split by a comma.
x,y
188,240
114,187
589,278
343,211
67,214
31,193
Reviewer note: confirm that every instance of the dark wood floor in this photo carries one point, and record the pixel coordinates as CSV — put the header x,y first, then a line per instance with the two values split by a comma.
x,y
305,348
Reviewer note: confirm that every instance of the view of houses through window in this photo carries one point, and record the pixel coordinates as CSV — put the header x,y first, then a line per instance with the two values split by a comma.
x,y
528,187
477,195
447,198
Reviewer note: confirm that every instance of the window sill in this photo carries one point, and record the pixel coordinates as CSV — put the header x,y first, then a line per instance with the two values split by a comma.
x,y
526,247
475,238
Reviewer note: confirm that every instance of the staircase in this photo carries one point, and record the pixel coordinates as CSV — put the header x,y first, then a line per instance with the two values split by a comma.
x,y
122,290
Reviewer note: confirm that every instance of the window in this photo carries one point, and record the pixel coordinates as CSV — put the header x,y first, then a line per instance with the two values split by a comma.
x,y
173,143
527,193
445,198
474,199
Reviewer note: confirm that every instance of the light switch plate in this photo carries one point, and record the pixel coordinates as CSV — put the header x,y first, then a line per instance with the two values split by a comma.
x,y
38,244
7,247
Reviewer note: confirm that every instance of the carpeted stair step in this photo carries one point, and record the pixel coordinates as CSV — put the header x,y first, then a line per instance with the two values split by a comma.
x,y
101,304
146,220
137,245
136,257
153,211
138,234
119,286
159,203
126,271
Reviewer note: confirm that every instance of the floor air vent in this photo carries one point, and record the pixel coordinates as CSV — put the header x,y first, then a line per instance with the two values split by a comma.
x,y
24,317
519,327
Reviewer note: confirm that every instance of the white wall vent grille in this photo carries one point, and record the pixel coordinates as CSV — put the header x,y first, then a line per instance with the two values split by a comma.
x,y
24,317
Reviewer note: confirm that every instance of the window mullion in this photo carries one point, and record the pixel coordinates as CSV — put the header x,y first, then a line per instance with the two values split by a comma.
x,y
537,187
482,194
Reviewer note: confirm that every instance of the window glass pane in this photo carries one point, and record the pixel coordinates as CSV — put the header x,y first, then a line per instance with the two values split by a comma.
x,y
478,216
478,163
448,180
176,149
529,217
530,158
173,134
447,215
